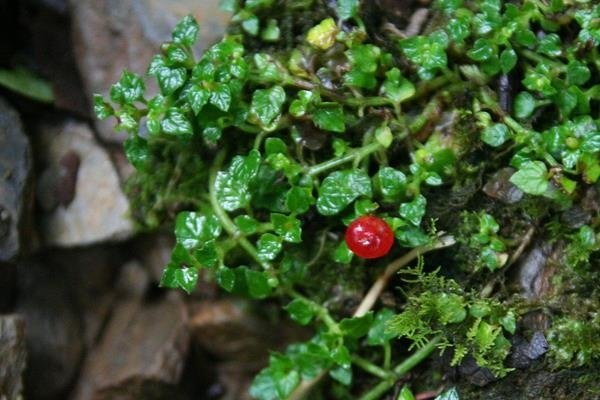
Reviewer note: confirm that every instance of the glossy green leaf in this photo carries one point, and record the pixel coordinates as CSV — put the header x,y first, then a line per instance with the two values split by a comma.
x,y
233,186
169,79
357,327
220,97
341,374
137,152
509,322
391,183
186,31
268,246
271,32
129,89
176,123
347,9
342,253
207,256
226,278
495,135
197,97
508,60
531,177
451,308
246,224
425,51
288,227
257,283
378,333
411,236
267,103
330,118
415,210
524,105
550,45
299,199
301,311
192,229
482,50
341,188
578,73
102,109
396,87
179,278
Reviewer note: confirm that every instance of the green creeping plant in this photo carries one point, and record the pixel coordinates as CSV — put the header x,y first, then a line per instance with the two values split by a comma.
x,y
300,121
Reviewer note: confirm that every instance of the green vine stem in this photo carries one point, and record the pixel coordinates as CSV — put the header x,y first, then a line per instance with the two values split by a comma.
x,y
381,282
353,155
367,303
402,369
372,368
223,217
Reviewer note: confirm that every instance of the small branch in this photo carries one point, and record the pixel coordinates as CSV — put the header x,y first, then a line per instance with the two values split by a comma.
x,y
524,243
402,369
381,282
306,386
322,312
427,395
489,287
356,154
226,222
372,368
367,303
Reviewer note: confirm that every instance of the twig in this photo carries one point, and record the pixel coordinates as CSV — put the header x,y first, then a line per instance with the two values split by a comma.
x,y
381,282
365,306
430,394
417,20
402,369
489,287
524,243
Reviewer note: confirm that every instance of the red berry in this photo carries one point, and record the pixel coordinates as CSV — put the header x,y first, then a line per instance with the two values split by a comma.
x,y
369,237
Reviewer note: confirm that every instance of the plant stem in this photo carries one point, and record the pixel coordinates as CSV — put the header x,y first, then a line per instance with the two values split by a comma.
x,y
401,369
356,154
372,368
322,312
381,282
387,354
369,300
226,222
432,108
539,59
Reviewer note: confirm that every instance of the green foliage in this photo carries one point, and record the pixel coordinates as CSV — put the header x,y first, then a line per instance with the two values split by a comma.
x,y
26,83
265,147
479,233
467,323
574,342
341,188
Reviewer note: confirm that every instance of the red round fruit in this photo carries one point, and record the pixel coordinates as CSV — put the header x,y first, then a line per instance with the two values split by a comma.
x,y
369,237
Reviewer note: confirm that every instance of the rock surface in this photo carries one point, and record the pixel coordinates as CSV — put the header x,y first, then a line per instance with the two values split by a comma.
x,y
90,274
53,330
230,332
534,271
13,356
141,354
501,188
112,35
15,166
79,189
